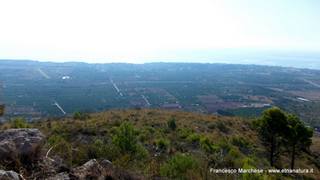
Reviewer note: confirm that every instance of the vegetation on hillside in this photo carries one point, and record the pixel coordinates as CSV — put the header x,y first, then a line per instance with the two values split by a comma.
x,y
278,129
182,145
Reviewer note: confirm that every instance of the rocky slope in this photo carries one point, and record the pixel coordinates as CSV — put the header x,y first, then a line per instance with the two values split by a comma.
x,y
139,144
22,148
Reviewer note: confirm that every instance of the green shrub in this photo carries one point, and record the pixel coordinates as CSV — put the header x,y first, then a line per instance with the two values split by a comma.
x,y
19,123
80,115
125,138
151,130
162,144
241,143
178,166
224,145
248,164
100,149
80,155
146,134
143,137
97,149
61,147
184,133
222,127
212,125
141,152
193,138
234,153
172,124
206,145
232,158
55,139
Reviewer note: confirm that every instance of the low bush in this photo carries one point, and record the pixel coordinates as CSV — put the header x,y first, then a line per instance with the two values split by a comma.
x,y
172,124
81,115
193,138
162,144
126,138
19,123
241,143
141,153
207,146
212,125
179,166
184,132
222,127
248,164
61,147
224,145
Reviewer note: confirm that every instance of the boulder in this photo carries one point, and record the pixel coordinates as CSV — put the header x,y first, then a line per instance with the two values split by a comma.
x,y
60,176
101,171
20,145
90,170
9,175
47,167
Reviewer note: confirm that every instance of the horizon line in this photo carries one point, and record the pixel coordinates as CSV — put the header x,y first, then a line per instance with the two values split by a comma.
x,y
159,62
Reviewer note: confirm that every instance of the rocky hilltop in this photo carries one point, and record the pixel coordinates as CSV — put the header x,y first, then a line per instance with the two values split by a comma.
x,y
141,144
22,148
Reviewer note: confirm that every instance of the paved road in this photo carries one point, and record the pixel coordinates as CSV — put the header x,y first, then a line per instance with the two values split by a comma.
x,y
59,107
43,74
146,100
312,83
116,87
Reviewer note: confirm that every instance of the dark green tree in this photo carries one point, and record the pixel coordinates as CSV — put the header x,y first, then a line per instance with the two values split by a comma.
x,y
272,126
2,107
80,115
298,137
172,124
126,138
178,166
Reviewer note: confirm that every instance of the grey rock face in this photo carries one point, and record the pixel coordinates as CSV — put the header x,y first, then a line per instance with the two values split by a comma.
x,y
9,175
91,169
60,176
101,171
20,144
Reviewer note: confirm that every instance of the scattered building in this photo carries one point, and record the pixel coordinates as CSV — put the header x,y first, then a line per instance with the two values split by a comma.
x,y
172,106
65,77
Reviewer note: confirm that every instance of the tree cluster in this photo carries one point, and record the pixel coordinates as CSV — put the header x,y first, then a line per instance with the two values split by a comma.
x,y
283,132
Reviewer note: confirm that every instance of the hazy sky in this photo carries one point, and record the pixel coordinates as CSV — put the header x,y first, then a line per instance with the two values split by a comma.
x,y
141,30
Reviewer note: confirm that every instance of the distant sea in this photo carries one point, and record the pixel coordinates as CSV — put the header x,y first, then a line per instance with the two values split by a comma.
x,y
297,59
286,58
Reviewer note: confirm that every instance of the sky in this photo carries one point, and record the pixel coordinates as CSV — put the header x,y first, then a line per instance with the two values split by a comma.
x,y
139,31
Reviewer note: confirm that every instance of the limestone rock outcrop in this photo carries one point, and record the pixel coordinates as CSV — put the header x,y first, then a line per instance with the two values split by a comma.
x,y
20,145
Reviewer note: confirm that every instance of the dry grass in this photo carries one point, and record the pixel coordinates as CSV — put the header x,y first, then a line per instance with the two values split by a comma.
x,y
216,128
